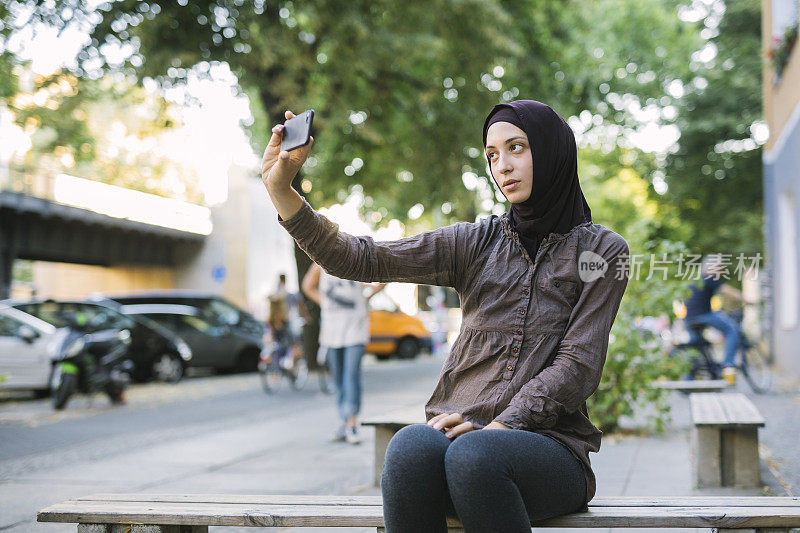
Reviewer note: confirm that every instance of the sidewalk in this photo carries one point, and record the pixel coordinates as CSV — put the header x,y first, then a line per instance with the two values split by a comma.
x,y
631,464
287,454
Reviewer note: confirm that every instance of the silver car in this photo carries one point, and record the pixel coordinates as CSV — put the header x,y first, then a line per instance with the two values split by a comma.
x,y
27,345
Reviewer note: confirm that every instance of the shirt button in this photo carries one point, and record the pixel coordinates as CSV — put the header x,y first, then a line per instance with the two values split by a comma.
x,y
515,349
519,332
525,291
522,311
509,367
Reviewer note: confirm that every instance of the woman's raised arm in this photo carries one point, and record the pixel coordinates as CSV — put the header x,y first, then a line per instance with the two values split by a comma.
x,y
438,257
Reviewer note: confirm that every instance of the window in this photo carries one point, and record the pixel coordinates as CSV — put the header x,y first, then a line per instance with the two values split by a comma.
x,y
222,312
8,326
784,15
382,302
85,317
787,278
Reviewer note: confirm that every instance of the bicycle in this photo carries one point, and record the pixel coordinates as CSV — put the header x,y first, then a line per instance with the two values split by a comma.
x,y
324,371
276,363
751,360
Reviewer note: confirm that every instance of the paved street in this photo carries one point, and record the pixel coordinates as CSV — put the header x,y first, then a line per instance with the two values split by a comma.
x,y
213,434
224,435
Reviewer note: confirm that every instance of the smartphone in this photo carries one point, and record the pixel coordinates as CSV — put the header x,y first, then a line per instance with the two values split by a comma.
x,y
297,131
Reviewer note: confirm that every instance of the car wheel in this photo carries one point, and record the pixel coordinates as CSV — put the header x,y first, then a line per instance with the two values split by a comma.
x,y
248,361
167,367
407,348
40,394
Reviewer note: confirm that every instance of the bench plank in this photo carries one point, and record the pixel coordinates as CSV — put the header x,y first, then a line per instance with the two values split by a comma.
x,y
305,499
785,513
706,409
724,409
740,410
698,385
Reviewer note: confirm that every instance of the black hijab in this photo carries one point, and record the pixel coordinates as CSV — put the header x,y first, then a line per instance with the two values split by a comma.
x,y
556,203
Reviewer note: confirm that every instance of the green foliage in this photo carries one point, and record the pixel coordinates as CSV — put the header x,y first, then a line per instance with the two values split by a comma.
x,y
636,358
396,85
715,178
107,129
781,52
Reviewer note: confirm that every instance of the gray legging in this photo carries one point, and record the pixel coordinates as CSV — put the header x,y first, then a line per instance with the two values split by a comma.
x,y
493,480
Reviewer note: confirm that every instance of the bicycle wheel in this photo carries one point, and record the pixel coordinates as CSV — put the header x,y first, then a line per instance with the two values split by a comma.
x,y
323,371
324,376
270,375
755,368
299,374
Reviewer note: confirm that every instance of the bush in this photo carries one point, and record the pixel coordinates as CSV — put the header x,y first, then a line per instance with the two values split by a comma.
x,y
636,357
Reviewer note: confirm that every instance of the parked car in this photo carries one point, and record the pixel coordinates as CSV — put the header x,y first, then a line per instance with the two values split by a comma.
x,y
214,344
393,332
212,307
156,352
27,345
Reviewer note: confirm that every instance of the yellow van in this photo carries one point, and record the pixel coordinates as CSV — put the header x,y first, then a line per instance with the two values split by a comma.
x,y
393,332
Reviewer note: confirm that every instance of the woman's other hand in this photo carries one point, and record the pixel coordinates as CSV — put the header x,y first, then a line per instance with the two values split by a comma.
x,y
451,423
278,169
496,425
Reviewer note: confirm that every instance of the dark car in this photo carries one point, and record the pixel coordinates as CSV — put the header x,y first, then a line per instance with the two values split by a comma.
x,y
214,344
156,352
214,308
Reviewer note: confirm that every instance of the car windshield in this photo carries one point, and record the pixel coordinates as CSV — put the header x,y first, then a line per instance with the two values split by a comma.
x,y
223,312
383,302
85,317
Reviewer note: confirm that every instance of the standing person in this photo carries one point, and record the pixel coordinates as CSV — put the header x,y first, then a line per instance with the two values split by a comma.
x,y
508,435
343,334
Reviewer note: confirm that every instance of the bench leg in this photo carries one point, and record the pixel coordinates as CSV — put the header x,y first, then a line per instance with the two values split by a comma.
x,y
94,528
382,437
139,528
706,447
725,457
740,463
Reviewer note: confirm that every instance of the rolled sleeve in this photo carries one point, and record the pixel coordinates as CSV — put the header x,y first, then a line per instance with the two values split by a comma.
x,y
431,257
563,387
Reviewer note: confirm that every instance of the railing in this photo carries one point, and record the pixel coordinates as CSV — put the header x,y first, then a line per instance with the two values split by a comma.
x,y
111,200
39,185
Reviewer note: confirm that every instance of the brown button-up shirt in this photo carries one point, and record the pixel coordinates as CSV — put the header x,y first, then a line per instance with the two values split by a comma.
x,y
534,334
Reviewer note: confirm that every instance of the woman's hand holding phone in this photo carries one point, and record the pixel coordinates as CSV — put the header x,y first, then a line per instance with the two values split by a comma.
x,y
278,169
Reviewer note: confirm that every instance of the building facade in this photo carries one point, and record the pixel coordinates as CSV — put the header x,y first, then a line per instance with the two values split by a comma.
x,y
781,77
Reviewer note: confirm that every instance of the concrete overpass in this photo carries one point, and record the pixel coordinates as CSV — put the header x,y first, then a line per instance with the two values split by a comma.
x,y
33,226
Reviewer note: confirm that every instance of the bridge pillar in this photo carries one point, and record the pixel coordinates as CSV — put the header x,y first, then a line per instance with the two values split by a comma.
x,y
6,261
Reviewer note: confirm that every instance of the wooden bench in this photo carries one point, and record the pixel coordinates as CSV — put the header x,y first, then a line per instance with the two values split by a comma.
x,y
385,428
140,513
698,385
725,440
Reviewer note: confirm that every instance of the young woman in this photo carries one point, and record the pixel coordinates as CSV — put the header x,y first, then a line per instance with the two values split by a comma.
x,y
343,335
508,436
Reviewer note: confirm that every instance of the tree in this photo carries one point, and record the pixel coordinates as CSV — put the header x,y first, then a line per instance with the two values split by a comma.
x,y
106,129
715,178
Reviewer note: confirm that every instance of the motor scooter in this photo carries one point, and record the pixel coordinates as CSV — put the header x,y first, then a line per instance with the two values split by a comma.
x,y
89,363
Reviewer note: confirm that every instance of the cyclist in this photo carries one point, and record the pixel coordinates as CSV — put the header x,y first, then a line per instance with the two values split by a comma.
x,y
699,313
279,341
